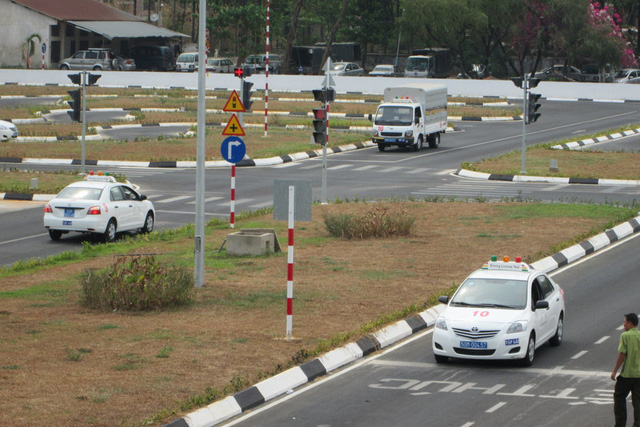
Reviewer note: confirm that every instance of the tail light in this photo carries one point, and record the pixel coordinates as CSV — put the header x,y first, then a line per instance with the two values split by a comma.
x,y
94,210
47,208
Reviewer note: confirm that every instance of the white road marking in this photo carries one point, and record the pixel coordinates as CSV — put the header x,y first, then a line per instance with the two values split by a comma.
x,y
418,170
495,407
339,167
363,168
601,340
174,199
579,355
23,238
391,169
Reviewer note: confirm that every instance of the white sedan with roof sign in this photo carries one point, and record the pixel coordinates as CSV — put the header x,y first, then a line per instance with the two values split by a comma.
x,y
505,310
98,205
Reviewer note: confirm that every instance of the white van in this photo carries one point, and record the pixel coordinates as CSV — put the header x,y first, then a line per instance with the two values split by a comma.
x,y
187,62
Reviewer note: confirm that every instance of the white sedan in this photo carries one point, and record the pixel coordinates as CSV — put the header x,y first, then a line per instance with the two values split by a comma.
x,y
98,205
7,130
505,310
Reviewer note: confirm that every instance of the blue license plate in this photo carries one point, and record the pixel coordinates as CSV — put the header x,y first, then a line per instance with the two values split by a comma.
x,y
66,223
69,212
390,140
512,341
473,344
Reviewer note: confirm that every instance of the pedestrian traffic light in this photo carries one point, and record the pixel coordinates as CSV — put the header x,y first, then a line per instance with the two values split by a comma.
x,y
532,107
324,95
92,78
246,95
76,105
238,72
320,125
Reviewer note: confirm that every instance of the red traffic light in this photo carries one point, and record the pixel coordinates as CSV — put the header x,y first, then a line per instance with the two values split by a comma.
x,y
239,72
319,114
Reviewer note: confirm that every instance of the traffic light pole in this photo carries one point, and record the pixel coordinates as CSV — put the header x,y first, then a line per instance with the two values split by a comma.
x,y
525,85
324,151
84,123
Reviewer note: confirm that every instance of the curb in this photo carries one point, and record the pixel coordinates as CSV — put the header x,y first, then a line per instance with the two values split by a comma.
x,y
550,179
586,142
286,381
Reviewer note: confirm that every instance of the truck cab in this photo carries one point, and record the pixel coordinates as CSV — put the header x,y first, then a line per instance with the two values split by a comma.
x,y
420,66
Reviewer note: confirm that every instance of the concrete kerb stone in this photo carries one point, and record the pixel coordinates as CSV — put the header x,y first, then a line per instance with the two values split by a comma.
x,y
549,179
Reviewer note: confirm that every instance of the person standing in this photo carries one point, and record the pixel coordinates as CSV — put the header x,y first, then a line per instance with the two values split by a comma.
x,y
629,379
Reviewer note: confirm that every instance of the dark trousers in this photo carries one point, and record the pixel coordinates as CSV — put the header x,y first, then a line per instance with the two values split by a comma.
x,y
624,386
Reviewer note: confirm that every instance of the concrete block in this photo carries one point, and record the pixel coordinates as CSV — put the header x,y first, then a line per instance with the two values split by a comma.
x,y
251,242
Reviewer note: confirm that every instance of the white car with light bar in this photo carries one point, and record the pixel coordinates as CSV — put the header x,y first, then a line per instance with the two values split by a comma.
x,y
98,205
505,310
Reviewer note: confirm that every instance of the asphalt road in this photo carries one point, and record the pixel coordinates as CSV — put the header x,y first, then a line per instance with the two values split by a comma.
x,y
567,385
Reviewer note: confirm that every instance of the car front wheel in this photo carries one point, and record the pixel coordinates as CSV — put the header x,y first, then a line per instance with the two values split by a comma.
x,y
148,223
64,67
556,339
527,360
110,232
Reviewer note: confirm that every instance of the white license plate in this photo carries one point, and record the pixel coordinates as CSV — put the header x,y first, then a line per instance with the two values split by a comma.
x,y
473,344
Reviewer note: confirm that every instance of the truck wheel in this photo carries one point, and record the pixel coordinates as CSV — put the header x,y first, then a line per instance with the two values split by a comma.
x,y
434,140
418,145
381,147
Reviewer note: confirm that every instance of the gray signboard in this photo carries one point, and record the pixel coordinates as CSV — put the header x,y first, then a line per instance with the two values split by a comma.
x,y
302,200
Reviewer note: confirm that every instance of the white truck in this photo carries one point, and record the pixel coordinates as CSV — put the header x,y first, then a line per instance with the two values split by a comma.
x,y
410,115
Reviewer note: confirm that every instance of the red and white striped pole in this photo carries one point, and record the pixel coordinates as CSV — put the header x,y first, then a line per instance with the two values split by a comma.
x,y
266,79
232,205
43,60
290,266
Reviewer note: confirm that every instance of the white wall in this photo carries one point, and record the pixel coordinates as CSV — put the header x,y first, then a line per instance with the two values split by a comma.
x,y
18,24
373,85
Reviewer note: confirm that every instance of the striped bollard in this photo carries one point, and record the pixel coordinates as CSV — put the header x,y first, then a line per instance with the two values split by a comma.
x,y
232,204
290,266
266,78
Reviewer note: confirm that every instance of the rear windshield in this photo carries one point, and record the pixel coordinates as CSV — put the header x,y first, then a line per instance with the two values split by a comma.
x,y
82,193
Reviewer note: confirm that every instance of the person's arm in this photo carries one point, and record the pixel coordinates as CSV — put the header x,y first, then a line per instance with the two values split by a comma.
x,y
619,361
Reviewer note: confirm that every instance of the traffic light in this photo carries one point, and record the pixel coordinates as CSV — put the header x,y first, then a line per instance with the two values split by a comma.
x,y
320,125
324,95
246,95
76,105
533,82
532,107
238,72
76,79
92,78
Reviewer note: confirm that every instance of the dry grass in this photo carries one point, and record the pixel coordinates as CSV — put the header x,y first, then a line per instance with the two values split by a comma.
x,y
65,365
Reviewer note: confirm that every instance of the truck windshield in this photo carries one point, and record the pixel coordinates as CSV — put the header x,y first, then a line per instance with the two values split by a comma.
x,y
392,115
418,64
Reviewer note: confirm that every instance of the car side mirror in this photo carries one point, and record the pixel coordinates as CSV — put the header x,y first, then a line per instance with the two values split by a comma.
x,y
143,197
540,305
443,299
370,117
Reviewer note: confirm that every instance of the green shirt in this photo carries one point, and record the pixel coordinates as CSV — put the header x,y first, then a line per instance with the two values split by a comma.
x,y
630,345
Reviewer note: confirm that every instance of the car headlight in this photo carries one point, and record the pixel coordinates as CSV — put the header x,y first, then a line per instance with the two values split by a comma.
x,y
375,132
441,323
408,133
516,327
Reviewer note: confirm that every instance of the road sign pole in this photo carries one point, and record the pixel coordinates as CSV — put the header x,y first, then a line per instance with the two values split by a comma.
x,y
523,166
201,130
232,205
84,123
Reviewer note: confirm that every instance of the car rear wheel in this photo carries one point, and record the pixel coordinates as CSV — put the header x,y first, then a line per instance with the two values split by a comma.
x,y
64,67
556,339
148,223
55,235
527,360
110,232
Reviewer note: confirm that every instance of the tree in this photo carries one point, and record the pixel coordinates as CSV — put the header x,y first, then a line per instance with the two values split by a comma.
x,y
29,47
369,24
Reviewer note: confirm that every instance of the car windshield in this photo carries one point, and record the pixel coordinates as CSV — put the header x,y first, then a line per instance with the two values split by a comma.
x,y
394,115
417,64
338,67
622,73
499,293
83,193
382,68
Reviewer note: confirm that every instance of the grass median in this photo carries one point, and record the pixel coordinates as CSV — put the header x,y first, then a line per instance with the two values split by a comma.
x,y
65,364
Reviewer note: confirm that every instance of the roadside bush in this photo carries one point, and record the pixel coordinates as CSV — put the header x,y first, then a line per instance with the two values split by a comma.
x,y
137,284
378,222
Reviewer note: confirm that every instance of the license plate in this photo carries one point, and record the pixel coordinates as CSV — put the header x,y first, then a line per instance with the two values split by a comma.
x,y
473,344
69,212
66,222
512,341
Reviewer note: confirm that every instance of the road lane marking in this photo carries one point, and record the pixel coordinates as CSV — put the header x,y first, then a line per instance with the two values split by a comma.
x,y
601,340
23,238
579,355
495,407
174,199
364,168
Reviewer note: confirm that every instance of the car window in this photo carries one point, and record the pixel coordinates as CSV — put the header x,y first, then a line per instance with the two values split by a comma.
x,y
116,194
129,194
82,193
545,286
91,55
78,55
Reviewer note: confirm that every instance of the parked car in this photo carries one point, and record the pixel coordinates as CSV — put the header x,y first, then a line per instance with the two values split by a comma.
x,y
220,65
258,63
627,75
592,73
91,59
385,71
559,71
187,61
125,64
7,130
154,58
98,205
346,69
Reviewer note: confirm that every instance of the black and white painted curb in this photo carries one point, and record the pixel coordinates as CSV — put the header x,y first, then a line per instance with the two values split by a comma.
x,y
549,179
587,142
287,381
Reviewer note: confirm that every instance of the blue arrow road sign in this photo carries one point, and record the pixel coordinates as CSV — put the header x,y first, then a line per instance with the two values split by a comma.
x,y
233,149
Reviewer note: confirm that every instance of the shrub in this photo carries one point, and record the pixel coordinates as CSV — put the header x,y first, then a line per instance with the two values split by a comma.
x,y
378,222
137,284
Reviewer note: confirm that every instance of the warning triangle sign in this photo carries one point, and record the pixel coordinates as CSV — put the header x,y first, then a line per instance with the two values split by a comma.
x,y
233,103
233,127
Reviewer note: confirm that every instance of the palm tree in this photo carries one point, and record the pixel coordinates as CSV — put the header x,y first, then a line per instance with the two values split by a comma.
x,y
29,47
